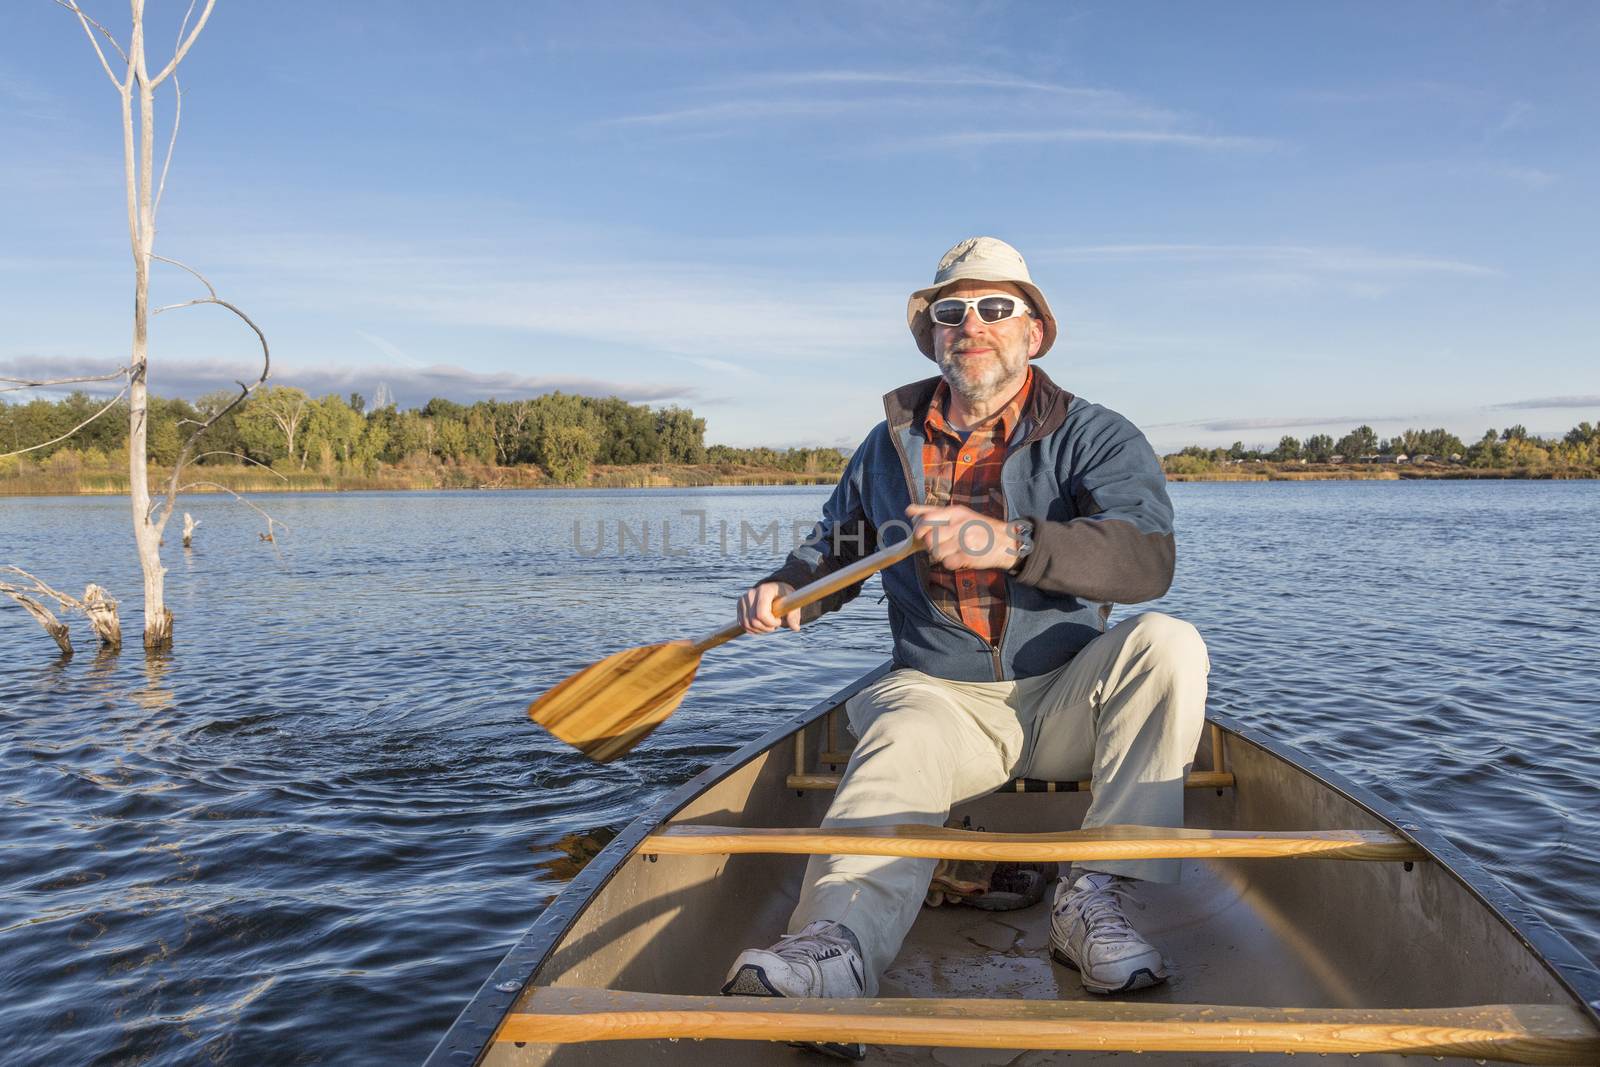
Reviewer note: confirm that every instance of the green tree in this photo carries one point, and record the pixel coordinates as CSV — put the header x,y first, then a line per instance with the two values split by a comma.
x,y
332,428
1288,449
1184,463
374,439
1357,443
270,423
450,438
224,436
1488,452
483,424
409,435
682,436
1318,448
568,451
167,419
1526,452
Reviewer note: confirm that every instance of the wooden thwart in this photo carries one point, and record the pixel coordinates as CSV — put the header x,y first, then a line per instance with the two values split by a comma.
x,y
1511,1033
1195,780
1100,843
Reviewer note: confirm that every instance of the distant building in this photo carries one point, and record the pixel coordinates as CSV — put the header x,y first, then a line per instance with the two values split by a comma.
x,y
1388,457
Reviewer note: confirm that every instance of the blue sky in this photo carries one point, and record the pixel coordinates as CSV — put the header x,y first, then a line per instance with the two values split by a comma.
x,y
1251,219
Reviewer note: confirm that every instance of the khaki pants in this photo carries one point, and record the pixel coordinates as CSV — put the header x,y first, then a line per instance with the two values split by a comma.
x,y
1126,712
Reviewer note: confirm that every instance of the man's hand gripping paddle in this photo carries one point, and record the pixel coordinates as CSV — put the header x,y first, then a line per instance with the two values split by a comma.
x,y
606,709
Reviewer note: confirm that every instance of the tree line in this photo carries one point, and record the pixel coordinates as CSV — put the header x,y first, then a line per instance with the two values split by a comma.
x,y
285,428
1511,448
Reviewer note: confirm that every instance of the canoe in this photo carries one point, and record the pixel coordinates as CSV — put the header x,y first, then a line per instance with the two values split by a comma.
x,y
1311,917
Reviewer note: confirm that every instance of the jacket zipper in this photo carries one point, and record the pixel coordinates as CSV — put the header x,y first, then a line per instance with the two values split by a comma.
x,y
920,565
1000,639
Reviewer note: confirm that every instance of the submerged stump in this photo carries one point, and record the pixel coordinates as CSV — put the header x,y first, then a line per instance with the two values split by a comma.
x,y
102,611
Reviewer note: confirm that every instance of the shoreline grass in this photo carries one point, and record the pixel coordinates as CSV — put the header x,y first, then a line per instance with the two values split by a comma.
x,y
257,480
246,479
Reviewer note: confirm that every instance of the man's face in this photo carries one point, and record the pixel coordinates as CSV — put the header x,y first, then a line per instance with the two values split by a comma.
x,y
981,359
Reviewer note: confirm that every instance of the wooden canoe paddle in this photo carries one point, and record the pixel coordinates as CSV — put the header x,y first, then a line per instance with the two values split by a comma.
x,y
606,709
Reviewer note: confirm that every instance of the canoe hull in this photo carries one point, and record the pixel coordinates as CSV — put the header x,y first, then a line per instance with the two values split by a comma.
x,y
1266,933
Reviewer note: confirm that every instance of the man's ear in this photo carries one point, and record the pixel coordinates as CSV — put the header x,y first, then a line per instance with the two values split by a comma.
x,y
1035,336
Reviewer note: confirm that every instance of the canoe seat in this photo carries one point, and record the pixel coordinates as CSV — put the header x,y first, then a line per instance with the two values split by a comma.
x,y
1195,780
1099,843
1513,1033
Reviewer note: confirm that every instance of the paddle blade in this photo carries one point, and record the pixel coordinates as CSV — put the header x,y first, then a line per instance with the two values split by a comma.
x,y
606,709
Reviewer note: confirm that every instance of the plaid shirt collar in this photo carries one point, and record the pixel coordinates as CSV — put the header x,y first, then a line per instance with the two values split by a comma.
x,y
1001,428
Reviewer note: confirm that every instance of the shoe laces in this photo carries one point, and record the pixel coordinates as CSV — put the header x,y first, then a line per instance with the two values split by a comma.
x,y
813,946
1098,906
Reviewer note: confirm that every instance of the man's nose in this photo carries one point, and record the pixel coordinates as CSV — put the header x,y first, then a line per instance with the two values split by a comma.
x,y
972,323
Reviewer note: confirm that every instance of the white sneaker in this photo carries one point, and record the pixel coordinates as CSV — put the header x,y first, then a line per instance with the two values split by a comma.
x,y
822,960
1090,934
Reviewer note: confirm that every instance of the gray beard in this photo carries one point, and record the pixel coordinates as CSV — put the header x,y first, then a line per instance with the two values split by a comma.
x,y
980,384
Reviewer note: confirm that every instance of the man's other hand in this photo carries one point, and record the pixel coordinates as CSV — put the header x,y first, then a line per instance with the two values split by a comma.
x,y
755,608
960,539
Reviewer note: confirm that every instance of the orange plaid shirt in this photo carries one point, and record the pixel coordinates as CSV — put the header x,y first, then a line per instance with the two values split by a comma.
x,y
968,473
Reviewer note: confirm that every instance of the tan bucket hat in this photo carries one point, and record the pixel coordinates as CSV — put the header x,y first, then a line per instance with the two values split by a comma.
x,y
979,259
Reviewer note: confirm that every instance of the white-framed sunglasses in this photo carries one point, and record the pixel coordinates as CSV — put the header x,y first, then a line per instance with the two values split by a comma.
x,y
996,307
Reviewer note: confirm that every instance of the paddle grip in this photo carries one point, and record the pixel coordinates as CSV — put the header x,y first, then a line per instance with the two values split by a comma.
x,y
843,578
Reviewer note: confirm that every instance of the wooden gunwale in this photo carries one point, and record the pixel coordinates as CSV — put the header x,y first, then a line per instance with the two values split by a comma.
x,y
1512,1033
472,1033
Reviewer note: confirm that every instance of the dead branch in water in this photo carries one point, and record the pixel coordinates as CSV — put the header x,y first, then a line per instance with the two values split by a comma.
x,y
271,522
45,617
97,605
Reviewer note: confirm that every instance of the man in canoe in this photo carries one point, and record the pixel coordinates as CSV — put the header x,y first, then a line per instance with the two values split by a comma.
x,y
1039,510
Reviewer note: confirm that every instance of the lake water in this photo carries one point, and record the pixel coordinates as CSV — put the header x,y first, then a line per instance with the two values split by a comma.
x,y
309,834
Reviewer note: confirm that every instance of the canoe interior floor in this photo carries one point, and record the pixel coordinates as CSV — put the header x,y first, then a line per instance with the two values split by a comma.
x,y
1218,947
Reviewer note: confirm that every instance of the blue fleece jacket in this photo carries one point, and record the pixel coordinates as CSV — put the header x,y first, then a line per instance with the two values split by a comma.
x,y
1082,474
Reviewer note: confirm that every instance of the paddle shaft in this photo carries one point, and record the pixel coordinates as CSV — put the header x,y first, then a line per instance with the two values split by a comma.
x,y
843,578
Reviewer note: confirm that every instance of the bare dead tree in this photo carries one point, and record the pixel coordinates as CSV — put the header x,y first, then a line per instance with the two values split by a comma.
x,y
136,87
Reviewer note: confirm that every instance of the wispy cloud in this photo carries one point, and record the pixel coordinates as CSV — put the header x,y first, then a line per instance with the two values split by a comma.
x,y
1104,100
388,348
965,101
1589,400
1300,257
731,309
974,138
1280,422
718,366
746,111
410,386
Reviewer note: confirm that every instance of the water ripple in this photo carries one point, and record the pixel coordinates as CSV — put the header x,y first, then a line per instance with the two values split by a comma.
x,y
308,836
